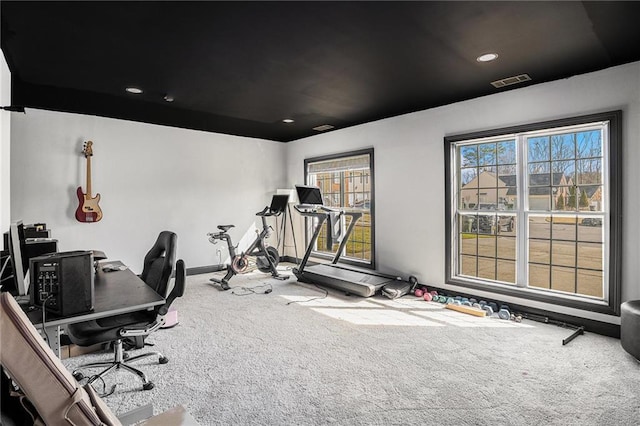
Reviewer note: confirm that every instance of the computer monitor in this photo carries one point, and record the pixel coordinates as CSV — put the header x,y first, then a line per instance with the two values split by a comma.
x,y
309,194
279,203
17,243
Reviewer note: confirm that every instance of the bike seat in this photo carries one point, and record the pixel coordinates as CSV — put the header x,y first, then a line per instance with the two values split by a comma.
x,y
225,228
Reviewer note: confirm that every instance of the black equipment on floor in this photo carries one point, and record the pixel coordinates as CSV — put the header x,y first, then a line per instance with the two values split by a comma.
x,y
349,279
63,282
267,257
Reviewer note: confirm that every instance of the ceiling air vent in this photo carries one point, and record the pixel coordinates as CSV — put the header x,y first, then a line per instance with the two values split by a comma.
x,y
511,80
323,127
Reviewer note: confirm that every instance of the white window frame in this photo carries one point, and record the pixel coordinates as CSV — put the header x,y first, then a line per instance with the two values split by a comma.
x,y
610,123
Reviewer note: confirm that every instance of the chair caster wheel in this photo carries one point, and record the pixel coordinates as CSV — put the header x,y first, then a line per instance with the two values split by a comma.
x,y
78,376
126,356
148,386
163,360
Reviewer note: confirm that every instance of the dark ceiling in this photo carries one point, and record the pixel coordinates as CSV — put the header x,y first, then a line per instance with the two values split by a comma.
x,y
242,67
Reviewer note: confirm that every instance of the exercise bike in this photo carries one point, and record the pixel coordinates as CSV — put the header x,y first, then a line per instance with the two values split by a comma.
x,y
267,257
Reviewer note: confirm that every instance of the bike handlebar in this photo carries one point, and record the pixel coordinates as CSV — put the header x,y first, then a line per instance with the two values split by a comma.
x,y
263,212
267,212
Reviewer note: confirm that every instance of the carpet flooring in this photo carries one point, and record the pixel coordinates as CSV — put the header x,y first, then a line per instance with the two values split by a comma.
x,y
295,357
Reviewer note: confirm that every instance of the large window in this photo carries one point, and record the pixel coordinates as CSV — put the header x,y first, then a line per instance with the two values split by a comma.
x,y
533,211
346,182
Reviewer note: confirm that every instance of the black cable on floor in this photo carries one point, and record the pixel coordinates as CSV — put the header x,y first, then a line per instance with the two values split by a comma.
x,y
326,294
252,290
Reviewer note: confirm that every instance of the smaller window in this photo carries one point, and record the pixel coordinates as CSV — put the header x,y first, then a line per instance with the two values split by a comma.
x,y
344,182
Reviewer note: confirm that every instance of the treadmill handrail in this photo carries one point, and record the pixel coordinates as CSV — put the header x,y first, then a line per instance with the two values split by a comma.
x,y
322,213
355,216
321,219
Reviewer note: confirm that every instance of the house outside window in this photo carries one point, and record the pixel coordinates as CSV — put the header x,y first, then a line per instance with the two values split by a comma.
x,y
344,182
534,211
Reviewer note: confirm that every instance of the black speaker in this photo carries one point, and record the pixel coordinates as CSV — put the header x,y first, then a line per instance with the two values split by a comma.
x,y
64,282
38,247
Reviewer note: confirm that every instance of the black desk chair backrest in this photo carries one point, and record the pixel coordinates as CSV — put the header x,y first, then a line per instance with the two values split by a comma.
x,y
178,287
159,261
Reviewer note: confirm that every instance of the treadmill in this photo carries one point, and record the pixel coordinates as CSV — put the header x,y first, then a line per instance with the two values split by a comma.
x,y
348,279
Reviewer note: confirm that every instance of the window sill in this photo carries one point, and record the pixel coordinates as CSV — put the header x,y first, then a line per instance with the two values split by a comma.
x,y
552,298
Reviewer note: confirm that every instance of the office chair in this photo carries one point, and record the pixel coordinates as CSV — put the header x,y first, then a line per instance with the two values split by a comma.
x,y
156,271
115,329
136,324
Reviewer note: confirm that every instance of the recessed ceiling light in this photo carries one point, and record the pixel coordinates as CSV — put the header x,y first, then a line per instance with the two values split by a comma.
x,y
168,98
487,57
288,120
134,90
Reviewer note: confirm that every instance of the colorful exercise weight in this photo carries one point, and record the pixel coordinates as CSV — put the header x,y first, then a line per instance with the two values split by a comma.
x,y
488,310
504,314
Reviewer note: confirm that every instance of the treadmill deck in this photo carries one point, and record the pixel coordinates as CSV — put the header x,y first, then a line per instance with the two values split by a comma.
x,y
350,281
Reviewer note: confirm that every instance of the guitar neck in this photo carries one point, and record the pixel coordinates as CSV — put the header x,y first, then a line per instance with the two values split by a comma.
x,y
88,176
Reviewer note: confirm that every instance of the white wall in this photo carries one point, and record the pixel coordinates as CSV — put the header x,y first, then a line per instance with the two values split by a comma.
x,y
409,167
154,177
150,178
5,144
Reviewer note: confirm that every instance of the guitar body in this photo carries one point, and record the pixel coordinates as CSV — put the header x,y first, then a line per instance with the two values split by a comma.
x,y
88,209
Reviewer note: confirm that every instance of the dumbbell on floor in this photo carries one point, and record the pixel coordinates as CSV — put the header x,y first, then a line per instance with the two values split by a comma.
x,y
504,312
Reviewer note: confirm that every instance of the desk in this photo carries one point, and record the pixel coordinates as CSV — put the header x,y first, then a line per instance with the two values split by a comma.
x,y
117,292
